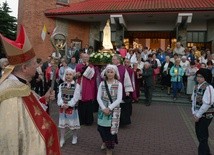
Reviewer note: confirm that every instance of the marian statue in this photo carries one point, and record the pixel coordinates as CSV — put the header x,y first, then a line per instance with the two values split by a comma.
x,y
107,36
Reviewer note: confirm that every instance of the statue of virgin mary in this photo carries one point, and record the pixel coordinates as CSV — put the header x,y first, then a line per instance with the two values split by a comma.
x,y
107,36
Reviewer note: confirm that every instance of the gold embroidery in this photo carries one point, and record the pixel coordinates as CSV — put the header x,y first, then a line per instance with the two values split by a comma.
x,y
50,141
46,124
37,110
13,88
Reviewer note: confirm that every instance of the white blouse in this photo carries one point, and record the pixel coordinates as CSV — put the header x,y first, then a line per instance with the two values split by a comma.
x,y
116,102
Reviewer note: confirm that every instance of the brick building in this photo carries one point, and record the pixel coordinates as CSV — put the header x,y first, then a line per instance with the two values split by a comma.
x,y
134,22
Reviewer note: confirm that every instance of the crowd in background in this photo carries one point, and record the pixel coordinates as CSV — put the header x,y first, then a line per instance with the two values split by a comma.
x,y
174,68
76,80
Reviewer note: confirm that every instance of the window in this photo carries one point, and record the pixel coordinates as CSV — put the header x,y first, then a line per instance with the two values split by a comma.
x,y
201,37
196,37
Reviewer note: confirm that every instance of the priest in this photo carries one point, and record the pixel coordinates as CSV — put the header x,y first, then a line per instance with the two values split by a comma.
x,y
127,89
25,127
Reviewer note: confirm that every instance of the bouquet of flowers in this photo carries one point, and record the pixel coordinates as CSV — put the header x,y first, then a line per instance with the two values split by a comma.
x,y
99,58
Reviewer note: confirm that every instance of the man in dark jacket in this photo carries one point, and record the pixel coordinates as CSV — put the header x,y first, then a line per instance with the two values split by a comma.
x,y
148,82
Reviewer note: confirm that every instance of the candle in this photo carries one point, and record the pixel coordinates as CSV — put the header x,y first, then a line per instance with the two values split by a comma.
x,y
176,71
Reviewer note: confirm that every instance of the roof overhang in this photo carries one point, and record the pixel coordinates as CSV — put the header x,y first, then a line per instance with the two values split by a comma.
x,y
129,12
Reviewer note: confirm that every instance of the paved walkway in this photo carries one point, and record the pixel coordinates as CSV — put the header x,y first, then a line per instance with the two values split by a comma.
x,y
160,129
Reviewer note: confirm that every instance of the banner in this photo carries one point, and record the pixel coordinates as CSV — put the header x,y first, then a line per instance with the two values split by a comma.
x,y
44,32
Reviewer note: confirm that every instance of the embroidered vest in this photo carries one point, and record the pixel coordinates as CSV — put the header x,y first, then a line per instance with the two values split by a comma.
x,y
199,95
67,95
105,120
113,92
67,91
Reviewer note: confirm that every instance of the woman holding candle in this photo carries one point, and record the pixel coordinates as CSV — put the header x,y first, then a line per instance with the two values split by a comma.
x,y
176,73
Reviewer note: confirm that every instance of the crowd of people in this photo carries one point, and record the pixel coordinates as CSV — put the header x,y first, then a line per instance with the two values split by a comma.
x,y
82,88
132,71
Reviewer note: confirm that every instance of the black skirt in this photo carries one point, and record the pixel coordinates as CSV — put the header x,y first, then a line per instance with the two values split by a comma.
x,y
109,139
166,80
85,110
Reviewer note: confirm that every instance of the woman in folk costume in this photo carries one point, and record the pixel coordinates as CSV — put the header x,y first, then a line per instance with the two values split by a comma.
x,y
69,93
203,108
25,127
107,102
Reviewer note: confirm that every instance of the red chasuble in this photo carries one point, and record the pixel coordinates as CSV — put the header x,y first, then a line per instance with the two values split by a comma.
x,y
44,124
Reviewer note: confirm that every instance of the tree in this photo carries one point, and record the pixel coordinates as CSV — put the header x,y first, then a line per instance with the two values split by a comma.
x,y
8,24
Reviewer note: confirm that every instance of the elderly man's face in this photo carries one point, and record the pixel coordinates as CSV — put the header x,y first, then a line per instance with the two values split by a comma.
x,y
127,62
115,60
167,59
85,57
183,59
30,69
178,45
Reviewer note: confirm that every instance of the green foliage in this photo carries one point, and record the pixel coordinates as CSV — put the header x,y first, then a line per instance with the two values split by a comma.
x,y
8,24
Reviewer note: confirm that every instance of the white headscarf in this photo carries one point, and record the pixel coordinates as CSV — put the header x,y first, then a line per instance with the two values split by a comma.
x,y
68,70
110,67
183,57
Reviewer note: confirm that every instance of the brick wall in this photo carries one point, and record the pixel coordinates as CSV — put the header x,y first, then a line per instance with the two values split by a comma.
x,y
79,30
31,15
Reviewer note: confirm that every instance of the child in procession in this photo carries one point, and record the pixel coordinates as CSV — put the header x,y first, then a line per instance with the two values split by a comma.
x,y
106,127
203,109
69,93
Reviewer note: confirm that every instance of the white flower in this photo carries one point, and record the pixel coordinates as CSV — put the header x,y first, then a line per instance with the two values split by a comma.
x,y
95,56
108,56
105,54
92,54
101,56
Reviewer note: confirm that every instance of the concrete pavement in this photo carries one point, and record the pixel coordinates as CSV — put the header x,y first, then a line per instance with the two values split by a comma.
x,y
160,129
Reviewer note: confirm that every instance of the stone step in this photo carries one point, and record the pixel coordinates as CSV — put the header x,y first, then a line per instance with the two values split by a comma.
x,y
162,96
168,99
